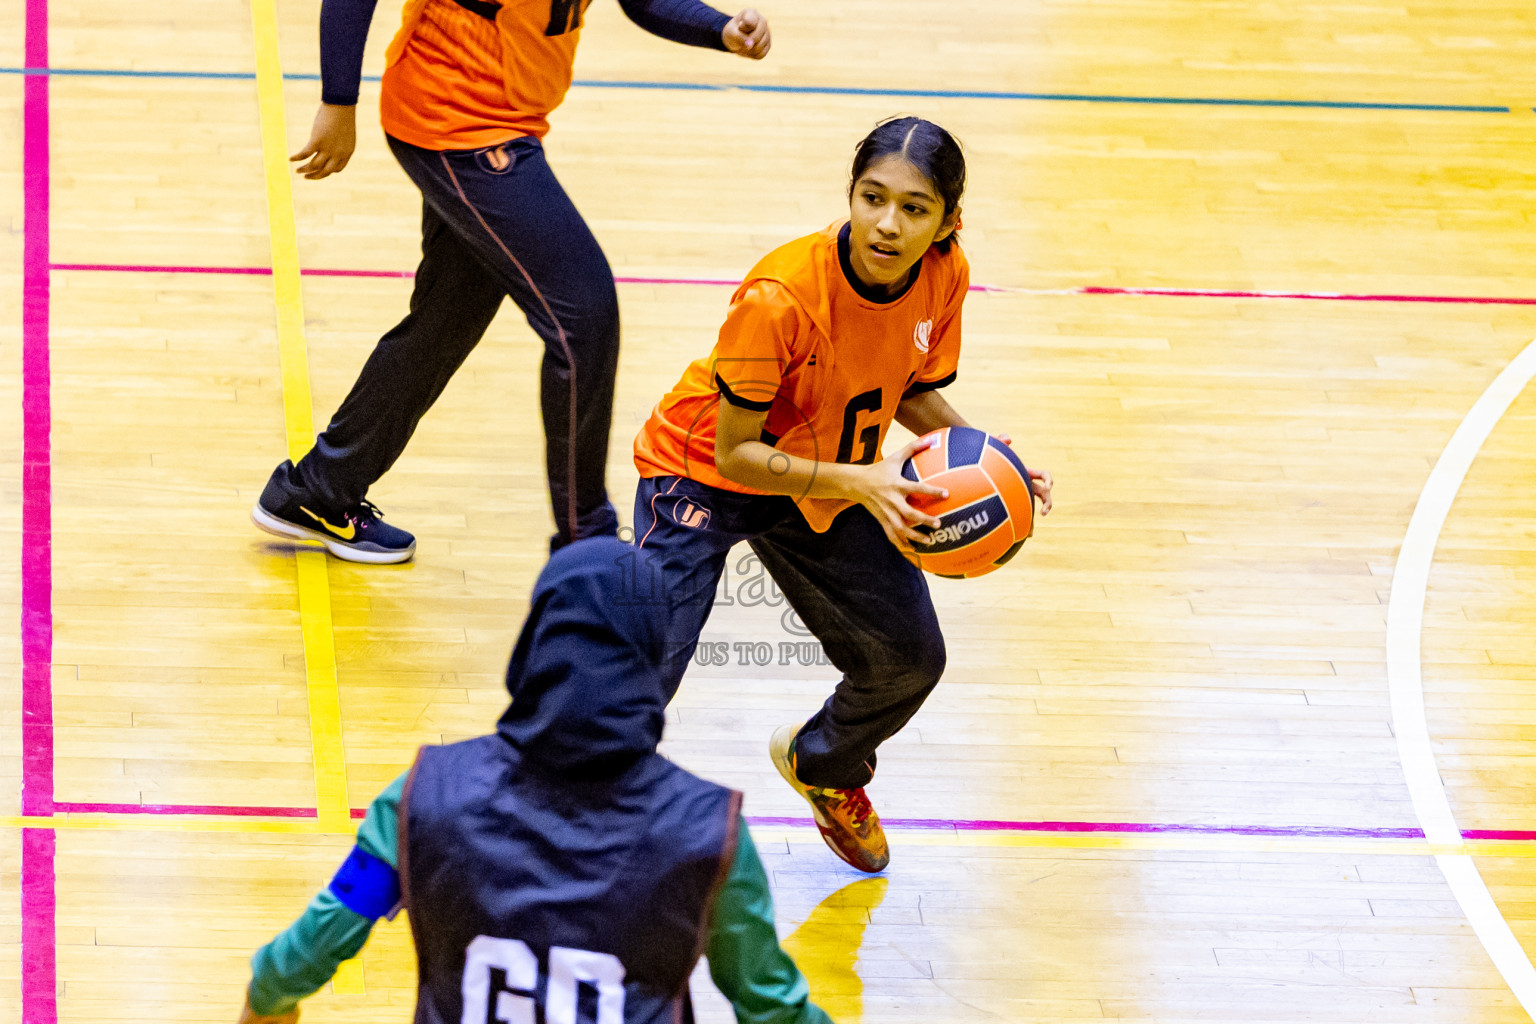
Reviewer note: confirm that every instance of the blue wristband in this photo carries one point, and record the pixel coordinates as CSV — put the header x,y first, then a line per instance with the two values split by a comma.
x,y
366,885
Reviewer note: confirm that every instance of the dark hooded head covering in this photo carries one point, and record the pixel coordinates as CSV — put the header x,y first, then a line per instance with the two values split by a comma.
x,y
585,677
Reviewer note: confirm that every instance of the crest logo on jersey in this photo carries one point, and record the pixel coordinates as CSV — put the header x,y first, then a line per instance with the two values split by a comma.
x,y
691,514
920,334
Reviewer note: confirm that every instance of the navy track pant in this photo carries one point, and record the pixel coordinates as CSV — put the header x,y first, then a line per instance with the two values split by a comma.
x,y
495,223
863,600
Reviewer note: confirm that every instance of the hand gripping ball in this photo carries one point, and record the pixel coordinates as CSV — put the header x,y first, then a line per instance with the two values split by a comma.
x,y
990,510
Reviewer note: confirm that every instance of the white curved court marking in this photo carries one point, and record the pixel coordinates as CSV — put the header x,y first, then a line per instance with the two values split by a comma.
x,y
1405,623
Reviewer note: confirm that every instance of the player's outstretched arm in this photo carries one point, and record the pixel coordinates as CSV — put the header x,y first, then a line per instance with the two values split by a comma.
x,y
694,23
335,925
343,35
304,957
748,965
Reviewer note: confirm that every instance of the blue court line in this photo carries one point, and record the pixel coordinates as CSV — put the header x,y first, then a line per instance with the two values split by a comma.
x,y
833,90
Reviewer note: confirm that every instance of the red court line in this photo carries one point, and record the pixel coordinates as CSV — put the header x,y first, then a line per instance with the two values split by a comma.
x,y
960,825
148,268
1503,835
942,824
990,289
725,281
1213,293
1127,827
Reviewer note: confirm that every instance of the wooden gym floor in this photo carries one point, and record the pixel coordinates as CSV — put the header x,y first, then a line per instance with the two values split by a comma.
x,y
1196,756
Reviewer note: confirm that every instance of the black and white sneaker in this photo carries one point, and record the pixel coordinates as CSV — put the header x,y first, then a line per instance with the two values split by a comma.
x,y
357,534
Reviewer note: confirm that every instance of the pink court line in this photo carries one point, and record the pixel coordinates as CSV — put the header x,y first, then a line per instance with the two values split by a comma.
x,y
39,910
1125,827
36,459
1212,293
925,824
39,894
146,268
989,289
229,810
37,615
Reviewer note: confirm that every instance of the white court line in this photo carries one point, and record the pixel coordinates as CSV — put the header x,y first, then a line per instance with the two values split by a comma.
x,y
1405,623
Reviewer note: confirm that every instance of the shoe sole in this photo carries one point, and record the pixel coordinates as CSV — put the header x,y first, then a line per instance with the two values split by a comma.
x,y
268,523
778,753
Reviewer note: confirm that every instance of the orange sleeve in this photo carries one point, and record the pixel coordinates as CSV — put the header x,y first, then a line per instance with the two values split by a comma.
x,y
756,345
942,365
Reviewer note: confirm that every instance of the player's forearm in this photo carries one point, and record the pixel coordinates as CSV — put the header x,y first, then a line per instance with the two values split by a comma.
x,y
682,21
926,411
765,468
305,956
343,36
745,960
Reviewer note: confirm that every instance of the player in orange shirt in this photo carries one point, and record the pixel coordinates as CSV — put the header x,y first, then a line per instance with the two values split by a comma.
x,y
775,439
467,92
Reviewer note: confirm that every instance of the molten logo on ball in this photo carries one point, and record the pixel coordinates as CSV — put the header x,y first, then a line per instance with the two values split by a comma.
x,y
964,526
945,534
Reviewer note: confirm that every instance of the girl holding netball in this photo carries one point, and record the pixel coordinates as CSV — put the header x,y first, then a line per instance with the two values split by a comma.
x,y
775,439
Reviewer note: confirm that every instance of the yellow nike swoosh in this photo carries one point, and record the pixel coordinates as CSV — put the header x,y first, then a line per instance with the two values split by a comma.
x,y
345,534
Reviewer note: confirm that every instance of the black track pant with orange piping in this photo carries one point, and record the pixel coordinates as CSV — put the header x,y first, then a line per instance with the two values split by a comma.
x,y
495,223
851,588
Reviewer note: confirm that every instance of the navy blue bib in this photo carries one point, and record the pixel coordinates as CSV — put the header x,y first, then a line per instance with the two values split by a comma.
x,y
540,900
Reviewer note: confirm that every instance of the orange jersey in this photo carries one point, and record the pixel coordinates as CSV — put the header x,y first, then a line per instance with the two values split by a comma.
x,y
828,365
455,80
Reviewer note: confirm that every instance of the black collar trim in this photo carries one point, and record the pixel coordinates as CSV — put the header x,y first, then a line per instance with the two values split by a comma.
x,y
861,289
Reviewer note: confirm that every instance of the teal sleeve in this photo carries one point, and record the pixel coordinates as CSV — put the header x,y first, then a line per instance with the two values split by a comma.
x,y
380,831
303,958
745,959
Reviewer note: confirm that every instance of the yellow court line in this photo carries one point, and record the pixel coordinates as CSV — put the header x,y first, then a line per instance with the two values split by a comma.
x,y
313,580
348,980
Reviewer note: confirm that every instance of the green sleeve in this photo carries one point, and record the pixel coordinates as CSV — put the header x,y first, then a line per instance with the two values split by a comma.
x,y
303,958
380,831
745,959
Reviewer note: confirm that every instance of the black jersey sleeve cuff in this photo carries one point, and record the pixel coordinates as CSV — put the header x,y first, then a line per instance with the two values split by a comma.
x,y
736,400
919,387
690,22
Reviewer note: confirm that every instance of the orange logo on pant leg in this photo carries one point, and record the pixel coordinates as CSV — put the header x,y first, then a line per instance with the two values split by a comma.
x,y
691,515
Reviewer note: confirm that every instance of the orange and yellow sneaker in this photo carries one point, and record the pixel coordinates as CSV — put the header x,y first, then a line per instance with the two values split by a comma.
x,y
844,817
